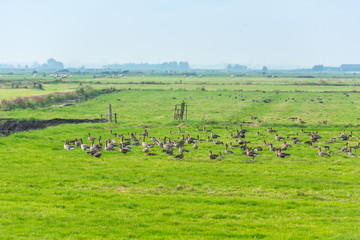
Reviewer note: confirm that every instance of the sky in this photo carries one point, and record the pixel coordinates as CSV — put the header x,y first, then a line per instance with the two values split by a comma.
x,y
206,33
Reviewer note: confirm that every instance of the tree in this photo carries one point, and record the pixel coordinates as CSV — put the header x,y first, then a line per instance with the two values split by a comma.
x,y
318,68
264,69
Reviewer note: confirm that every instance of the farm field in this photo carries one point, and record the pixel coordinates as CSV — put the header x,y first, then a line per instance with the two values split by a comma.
x,y
47,192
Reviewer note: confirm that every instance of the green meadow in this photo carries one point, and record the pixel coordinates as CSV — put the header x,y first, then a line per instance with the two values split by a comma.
x,y
47,192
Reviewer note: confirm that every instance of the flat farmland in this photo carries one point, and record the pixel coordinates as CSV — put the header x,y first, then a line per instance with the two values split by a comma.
x,y
47,192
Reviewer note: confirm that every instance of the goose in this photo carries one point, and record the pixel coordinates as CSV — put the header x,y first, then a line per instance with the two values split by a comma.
x,y
322,154
108,147
124,150
91,138
270,130
333,139
227,151
95,153
285,146
181,150
77,142
356,146
147,145
301,121
296,141
327,147
233,146
350,153
200,140
259,134
252,154
214,135
313,146
84,146
150,154
280,154
345,148
266,144
233,136
145,150
278,138
195,146
258,149
67,145
220,155
217,142
179,156
168,151
272,149
212,155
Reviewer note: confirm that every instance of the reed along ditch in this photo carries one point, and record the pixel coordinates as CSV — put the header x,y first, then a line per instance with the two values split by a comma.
x,y
11,125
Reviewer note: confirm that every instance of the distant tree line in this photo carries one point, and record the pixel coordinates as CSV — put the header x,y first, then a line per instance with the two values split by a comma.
x,y
236,68
146,67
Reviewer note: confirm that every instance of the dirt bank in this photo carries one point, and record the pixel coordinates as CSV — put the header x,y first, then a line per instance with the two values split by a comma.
x,y
10,125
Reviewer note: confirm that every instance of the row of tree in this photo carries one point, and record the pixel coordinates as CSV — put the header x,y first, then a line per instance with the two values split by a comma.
x,y
146,67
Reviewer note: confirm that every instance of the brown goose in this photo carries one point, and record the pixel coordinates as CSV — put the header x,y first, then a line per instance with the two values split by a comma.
x,y
67,145
285,146
350,153
221,156
227,151
270,130
252,154
278,138
214,135
212,155
168,151
195,146
322,154
234,146
84,146
179,156
280,154
150,154
91,138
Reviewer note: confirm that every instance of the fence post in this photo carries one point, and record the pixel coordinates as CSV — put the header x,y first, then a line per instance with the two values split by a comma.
x,y
115,118
110,113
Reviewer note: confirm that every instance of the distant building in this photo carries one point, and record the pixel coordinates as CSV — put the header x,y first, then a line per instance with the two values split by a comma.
x,y
350,67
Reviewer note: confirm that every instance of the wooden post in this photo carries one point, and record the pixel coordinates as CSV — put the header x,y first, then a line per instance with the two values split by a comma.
x,y
186,112
110,113
175,112
115,118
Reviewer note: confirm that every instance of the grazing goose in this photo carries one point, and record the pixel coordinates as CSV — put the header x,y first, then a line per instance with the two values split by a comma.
x,y
227,151
345,148
150,154
233,146
168,151
322,154
212,155
258,149
179,156
67,145
95,153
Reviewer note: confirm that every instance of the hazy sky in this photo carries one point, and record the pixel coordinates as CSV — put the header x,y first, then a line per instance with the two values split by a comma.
x,y
203,32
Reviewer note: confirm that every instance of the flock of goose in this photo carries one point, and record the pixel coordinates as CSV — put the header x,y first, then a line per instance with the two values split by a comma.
x,y
124,144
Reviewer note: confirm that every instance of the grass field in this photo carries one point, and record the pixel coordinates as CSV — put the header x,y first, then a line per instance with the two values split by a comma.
x,y
47,192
